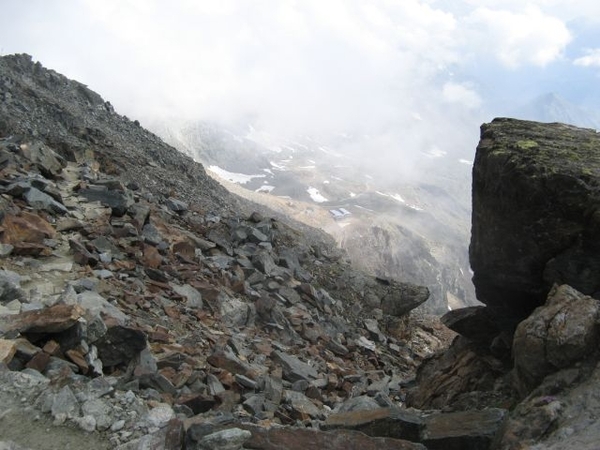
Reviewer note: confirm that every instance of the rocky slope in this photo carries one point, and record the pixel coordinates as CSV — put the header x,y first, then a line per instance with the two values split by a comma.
x,y
413,228
143,304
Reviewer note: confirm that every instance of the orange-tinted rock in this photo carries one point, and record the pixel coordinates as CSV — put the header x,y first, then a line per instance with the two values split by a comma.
x,y
185,248
30,249
51,347
8,349
78,359
39,362
152,257
54,319
26,227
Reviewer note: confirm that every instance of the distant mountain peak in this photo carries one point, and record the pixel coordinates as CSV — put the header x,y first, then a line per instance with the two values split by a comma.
x,y
551,107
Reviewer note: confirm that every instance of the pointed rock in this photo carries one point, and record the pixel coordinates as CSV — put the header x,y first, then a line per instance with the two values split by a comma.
x,y
293,368
40,200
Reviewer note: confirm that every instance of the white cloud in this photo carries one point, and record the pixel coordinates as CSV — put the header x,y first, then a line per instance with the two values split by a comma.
x,y
298,65
462,94
516,38
591,58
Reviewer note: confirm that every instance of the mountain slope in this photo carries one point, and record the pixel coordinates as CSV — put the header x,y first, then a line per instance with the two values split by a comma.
x,y
139,299
409,229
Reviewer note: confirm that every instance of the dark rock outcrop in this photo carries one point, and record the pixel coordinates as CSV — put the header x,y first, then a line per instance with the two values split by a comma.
x,y
536,214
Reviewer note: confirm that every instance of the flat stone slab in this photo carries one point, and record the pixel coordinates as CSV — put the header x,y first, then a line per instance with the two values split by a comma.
x,y
463,430
303,439
383,422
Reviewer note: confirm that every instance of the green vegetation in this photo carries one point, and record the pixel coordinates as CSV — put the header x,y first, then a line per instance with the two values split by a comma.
x,y
526,145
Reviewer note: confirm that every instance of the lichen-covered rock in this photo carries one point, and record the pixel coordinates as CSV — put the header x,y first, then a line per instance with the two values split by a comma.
x,y
536,214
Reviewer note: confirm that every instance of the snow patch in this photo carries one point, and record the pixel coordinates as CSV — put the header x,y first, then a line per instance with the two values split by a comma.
x,y
315,195
396,197
265,188
240,178
277,166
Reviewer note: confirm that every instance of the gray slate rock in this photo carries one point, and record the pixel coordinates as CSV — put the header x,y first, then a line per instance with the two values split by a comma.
x,y
228,439
10,286
293,368
119,201
65,404
176,205
40,200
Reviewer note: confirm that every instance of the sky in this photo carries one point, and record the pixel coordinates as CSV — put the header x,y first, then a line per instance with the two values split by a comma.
x,y
387,68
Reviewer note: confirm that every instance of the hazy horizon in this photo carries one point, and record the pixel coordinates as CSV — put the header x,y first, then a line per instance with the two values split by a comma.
x,y
412,74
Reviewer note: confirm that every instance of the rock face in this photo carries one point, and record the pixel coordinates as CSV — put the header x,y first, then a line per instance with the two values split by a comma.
x,y
534,253
536,214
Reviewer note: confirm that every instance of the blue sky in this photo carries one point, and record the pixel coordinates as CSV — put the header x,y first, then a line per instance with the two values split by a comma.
x,y
316,65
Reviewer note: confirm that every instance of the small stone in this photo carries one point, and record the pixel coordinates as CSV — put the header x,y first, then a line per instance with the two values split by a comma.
x,y
245,381
86,423
176,205
65,403
8,349
160,415
229,439
40,200
76,357
214,385
5,250
100,410
117,425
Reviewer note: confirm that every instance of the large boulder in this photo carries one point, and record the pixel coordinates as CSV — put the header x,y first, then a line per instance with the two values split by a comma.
x,y
556,335
536,215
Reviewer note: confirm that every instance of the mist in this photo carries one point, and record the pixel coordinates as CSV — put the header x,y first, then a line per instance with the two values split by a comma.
x,y
406,78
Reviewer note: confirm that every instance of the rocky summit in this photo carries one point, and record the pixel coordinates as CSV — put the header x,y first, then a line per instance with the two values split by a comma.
x,y
143,306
